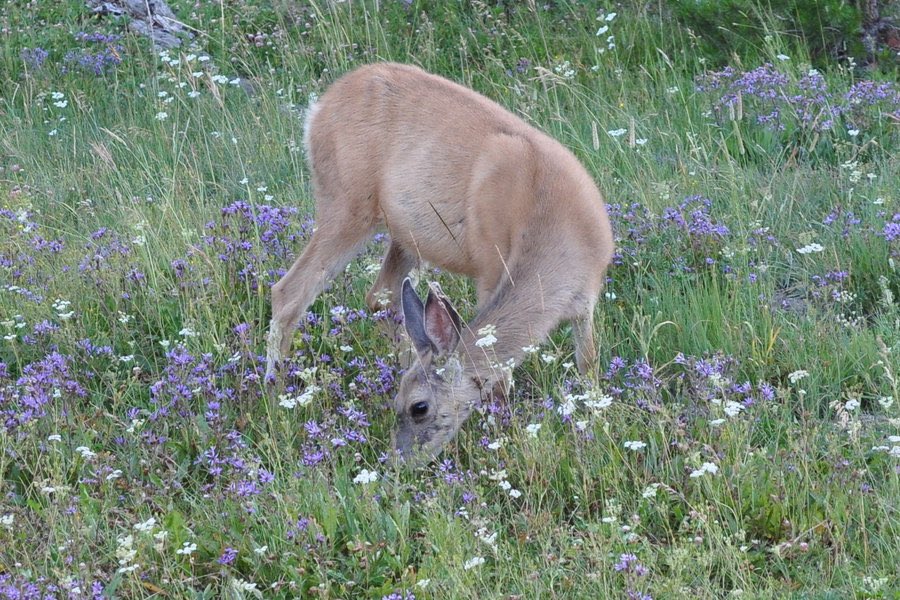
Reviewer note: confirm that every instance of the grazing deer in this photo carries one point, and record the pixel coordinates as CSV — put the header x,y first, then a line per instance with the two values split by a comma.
x,y
463,184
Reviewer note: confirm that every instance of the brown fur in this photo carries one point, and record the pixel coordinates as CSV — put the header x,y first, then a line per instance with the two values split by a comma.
x,y
463,184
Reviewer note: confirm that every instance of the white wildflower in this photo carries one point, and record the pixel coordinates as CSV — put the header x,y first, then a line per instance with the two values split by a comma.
x,y
366,476
617,132
567,407
797,375
533,429
85,452
706,467
476,561
598,400
635,445
487,338
650,491
146,526
187,549
733,409
810,248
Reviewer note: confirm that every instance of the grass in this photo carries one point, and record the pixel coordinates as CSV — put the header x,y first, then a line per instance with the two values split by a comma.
x,y
146,210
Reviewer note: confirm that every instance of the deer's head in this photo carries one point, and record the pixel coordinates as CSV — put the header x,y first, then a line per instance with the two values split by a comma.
x,y
436,393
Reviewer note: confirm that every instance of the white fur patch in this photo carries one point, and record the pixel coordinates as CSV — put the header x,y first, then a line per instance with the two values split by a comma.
x,y
309,115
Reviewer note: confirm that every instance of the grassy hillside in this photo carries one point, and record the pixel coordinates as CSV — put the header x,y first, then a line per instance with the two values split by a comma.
x,y
741,439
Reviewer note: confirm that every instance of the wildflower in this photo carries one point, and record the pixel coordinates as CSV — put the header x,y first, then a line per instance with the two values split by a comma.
x,y
146,526
886,402
851,404
533,429
303,399
567,407
617,132
797,375
706,467
598,401
635,445
187,548
650,491
228,556
531,349
242,585
487,338
782,57
733,409
476,561
810,248
365,476
162,115
85,452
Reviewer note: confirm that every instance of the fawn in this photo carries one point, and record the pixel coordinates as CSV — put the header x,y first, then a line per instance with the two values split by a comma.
x,y
463,184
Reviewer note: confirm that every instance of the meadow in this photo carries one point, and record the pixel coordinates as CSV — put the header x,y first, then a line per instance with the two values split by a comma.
x,y
742,435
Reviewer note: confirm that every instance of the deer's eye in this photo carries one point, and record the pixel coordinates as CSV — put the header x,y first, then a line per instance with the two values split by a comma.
x,y
419,409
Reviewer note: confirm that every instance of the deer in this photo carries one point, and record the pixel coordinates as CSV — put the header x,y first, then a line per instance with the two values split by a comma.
x,y
461,183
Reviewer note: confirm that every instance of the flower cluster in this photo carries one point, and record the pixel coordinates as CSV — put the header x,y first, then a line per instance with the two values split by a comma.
x,y
102,54
774,98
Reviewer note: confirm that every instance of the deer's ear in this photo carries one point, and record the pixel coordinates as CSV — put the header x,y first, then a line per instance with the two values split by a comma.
x,y
414,319
442,323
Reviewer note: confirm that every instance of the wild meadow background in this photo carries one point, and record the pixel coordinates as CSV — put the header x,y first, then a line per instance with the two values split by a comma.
x,y
741,438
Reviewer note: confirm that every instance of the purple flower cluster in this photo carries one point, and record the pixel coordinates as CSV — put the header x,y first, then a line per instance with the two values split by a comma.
x,y
635,380
709,377
891,231
19,588
400,595
19,261
94,61
778,101
633,571
254,241
44,384
693,238
34,58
